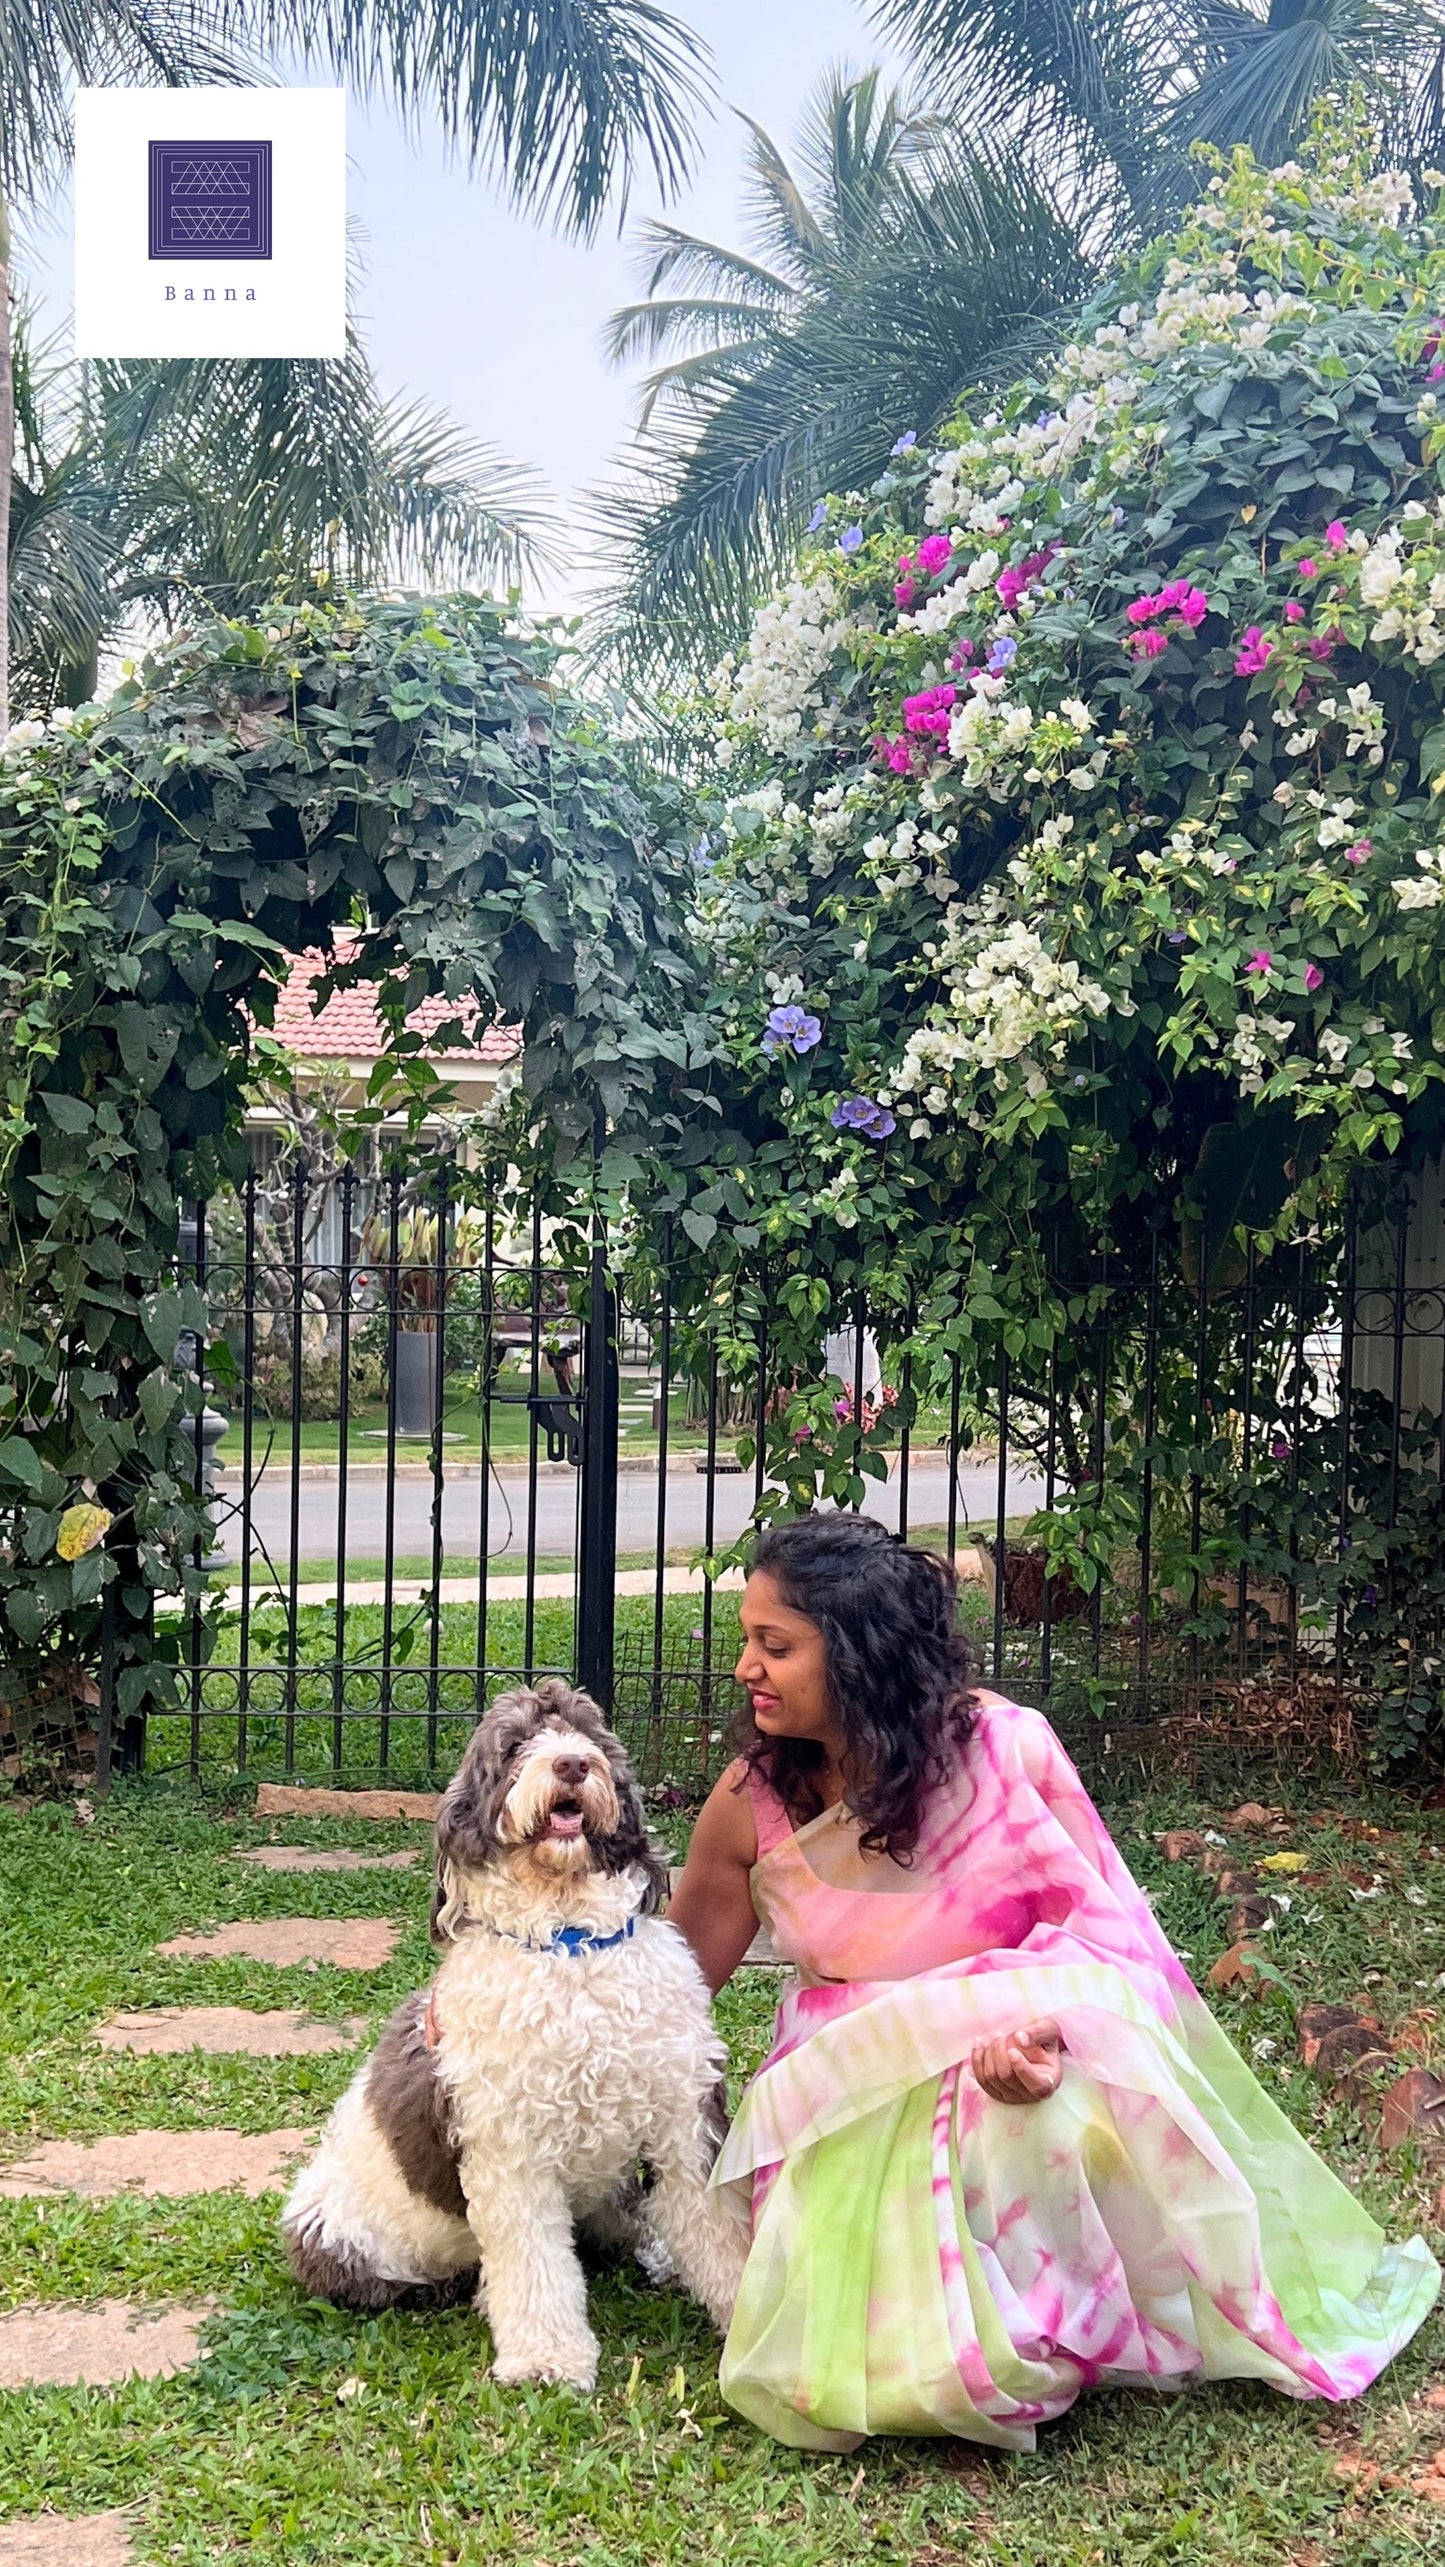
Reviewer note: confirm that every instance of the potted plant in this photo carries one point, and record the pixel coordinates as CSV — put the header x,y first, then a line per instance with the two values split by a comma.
x,y
416,1281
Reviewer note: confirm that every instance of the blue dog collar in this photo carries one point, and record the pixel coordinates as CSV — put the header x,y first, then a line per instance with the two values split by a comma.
x,y
572,1938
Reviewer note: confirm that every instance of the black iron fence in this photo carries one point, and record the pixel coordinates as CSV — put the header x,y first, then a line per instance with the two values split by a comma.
x,y
448,1454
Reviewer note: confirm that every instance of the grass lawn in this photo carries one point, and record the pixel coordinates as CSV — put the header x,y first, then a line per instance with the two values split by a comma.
x,y
309,2435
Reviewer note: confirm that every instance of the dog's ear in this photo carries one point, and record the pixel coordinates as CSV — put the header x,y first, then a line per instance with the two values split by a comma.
x,y
629,1844
466,1824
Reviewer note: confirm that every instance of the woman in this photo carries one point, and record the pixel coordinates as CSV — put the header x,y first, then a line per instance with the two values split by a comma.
x,y
1000,2150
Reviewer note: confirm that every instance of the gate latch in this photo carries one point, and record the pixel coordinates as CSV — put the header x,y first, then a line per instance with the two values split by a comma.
x,y
561,1423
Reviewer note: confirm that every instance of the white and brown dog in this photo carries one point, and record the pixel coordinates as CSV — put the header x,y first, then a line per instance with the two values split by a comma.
x,y
562,2070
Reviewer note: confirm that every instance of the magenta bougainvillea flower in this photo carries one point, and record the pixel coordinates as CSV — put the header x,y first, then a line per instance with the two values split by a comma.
x,y
1254,652
1314,977
1337,534
1261,960
1293,611
1358,853
1179,604
929,712
1309,570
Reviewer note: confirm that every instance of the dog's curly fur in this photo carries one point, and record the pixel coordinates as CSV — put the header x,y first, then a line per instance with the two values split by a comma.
x,y
527,2091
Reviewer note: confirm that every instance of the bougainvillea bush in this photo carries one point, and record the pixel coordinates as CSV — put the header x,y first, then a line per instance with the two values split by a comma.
x,y
1082,875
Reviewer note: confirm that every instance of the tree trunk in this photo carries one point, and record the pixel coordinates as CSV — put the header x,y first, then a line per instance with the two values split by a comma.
x,y
7,464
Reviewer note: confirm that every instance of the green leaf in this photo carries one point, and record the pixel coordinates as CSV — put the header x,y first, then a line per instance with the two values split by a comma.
x,y
23,1463
68,1113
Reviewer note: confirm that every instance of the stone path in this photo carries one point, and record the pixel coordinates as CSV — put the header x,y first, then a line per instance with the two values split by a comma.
x,y
333,1858
66,2540
343,1943
158,2162
73,2347
304,1800
170,2030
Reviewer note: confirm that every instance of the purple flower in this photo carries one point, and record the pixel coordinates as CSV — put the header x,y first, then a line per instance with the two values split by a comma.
x,y
1005,651
863,1114
1280,1449
906,442
819,517
1178,936
851,540
791,1029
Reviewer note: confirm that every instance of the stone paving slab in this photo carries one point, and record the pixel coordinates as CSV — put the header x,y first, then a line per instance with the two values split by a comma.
x,y
170,2030
333,1858
158,2162
60,2347
304,1800
342,1942
66,2540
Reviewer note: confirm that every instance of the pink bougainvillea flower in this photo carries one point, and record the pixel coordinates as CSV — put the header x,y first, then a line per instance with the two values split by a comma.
x,y
1254,652
1314,977
903,592
1358,853
1337,534
1293,611
1320,647
1148,644
1141,610
933,552
929,711
1261,960
900,756
1309,570
960,655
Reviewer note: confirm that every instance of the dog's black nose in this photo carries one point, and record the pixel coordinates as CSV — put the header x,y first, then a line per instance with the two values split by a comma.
x,y
571,1769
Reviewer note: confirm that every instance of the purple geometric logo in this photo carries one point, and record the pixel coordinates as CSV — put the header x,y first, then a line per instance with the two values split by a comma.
x,y
210,200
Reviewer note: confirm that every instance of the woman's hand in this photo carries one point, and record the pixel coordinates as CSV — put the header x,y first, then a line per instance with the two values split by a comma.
x,y
1021,2067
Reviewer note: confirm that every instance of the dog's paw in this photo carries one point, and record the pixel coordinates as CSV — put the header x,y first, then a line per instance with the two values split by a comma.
x,y
565,2366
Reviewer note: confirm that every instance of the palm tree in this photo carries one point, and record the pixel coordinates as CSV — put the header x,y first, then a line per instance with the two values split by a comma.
x,y
564,99
1120,88
1056,136
155,488
894,266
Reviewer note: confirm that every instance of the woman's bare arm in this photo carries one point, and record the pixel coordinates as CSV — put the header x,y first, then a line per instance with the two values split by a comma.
x,y
712,1904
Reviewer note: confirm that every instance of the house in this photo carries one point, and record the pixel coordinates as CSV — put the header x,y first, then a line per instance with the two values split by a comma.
x,y
336,1051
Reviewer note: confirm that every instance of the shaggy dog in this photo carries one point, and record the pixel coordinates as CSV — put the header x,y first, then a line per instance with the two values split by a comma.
x,y
565,2045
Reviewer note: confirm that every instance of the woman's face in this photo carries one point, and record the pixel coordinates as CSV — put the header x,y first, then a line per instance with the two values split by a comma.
x,y
784,1665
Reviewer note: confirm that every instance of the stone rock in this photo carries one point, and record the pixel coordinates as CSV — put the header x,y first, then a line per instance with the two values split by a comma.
x,y
66,2540
1413,2108
1238,1966
288,1942
170,2030
1234,1881
63,2347
301,1800
1315,2022
1247,1916
1352,2050
1250,1813
1183,1845
171,2163
326,1858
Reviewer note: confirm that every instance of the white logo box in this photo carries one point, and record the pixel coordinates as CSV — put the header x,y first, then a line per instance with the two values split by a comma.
x,y
273,289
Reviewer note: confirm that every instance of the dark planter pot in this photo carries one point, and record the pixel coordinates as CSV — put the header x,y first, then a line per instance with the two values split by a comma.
x,y
1024,1583
416,1381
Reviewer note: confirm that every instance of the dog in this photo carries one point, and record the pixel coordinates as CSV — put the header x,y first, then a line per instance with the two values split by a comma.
x,y
561,2071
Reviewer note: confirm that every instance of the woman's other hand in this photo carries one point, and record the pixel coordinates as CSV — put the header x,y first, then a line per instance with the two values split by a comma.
x,y
1021,2067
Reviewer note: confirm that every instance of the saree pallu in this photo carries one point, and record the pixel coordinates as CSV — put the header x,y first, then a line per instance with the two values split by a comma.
x,y
928,2261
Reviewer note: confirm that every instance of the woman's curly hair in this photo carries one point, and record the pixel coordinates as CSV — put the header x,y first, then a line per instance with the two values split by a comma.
x,y
900,1672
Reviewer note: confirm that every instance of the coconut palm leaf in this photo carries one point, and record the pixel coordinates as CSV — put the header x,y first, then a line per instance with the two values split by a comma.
x,y
965,252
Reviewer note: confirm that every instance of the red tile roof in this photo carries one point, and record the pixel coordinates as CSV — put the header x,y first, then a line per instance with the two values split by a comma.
x,y
349,1027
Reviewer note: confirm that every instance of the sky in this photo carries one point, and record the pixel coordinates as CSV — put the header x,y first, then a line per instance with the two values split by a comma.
x,y
471,306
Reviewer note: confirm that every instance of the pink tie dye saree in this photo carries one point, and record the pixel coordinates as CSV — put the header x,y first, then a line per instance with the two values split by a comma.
x,y
928,2261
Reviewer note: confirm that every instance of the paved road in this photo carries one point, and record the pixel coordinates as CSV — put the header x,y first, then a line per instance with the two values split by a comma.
x,y
637,1493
